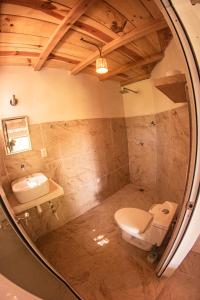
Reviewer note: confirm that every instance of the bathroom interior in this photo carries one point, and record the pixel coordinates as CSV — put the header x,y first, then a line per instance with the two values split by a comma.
x,y
94,166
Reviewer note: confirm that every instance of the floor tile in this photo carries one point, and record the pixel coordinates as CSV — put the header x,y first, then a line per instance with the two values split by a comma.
x,y
91,255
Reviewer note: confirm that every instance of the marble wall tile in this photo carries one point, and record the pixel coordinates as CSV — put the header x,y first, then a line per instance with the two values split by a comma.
x,y
51,139
158,148
93,159
119,139
71,140
142,147
122,177
106,186
173,138
36,137
88,158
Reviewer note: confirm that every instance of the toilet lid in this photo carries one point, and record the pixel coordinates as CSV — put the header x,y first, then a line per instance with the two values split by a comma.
x,y
133,220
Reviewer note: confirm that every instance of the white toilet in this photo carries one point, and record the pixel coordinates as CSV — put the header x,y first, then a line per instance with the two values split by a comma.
x,y
145,229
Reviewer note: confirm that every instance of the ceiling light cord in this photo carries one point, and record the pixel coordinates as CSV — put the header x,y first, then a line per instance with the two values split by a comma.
x,y
101,62
91,43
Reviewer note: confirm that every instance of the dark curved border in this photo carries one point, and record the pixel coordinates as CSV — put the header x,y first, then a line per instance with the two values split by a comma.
x,y
16,229
37,256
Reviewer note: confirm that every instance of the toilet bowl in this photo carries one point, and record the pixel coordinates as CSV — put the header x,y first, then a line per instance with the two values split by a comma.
x,y
144,229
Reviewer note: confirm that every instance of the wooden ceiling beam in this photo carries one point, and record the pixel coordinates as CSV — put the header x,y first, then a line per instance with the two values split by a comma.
x,y
105,38
74,14
135,34
31,54
152,8
19,53
50,9
139,63
46,7
135,79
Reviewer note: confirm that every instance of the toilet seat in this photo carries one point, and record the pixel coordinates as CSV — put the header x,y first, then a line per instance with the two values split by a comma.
x,y
145,229
133,220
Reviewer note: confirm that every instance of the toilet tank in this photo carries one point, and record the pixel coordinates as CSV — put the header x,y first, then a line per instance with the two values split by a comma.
x,y
163,214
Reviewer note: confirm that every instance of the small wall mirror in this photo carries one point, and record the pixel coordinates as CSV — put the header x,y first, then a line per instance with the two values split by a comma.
x,y
16,135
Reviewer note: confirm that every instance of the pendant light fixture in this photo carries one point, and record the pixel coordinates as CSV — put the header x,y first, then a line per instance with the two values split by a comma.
x,y
101,65
101,62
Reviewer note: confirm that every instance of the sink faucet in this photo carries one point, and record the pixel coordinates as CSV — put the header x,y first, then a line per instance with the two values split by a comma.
x,y
22,167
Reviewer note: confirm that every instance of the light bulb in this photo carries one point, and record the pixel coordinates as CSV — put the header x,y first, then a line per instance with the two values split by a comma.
x,y
101,65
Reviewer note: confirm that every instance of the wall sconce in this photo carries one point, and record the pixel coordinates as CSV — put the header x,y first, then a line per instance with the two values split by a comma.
x,y
101,62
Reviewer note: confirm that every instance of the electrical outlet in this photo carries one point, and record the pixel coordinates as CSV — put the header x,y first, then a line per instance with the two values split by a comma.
x,y
43,152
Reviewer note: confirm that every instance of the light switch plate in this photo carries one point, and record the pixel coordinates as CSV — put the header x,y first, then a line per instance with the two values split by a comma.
x,y
43,152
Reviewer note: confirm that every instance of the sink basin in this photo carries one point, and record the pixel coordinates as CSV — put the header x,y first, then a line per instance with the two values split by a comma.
x,y
30,187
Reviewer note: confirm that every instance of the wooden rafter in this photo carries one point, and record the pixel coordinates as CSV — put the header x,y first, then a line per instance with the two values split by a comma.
x,y
126,67
135,79
19,53
44,6
27,28
132,51
51,10
75,13
31,54
152,8
121,41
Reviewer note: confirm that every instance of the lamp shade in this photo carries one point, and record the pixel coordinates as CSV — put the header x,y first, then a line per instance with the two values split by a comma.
x,y
101,65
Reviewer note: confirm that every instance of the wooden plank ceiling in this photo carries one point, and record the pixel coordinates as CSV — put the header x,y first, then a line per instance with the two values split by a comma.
x,y
132,34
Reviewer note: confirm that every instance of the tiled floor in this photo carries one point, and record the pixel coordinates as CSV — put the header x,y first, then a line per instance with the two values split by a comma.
x,y
91,255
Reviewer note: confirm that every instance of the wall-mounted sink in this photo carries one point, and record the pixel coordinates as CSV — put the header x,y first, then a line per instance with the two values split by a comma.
x,y
30,187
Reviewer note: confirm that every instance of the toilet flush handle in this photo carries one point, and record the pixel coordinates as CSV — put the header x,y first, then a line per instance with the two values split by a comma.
x,y
25,217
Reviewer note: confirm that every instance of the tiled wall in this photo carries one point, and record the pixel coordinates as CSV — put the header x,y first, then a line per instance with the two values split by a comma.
x,y
88,158
142,147
159,152
173,138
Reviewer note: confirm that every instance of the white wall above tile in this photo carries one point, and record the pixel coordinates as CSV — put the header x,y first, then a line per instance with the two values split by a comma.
x,y
53,95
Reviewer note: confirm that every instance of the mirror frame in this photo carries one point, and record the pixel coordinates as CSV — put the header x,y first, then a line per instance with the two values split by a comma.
x,y
5,134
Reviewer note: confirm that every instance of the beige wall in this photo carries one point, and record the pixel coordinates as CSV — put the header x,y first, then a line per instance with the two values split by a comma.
x,y
142,103
150,100
53,95
171,61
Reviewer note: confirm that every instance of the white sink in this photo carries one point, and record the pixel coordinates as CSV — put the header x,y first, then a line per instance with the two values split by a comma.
x,y
30,187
